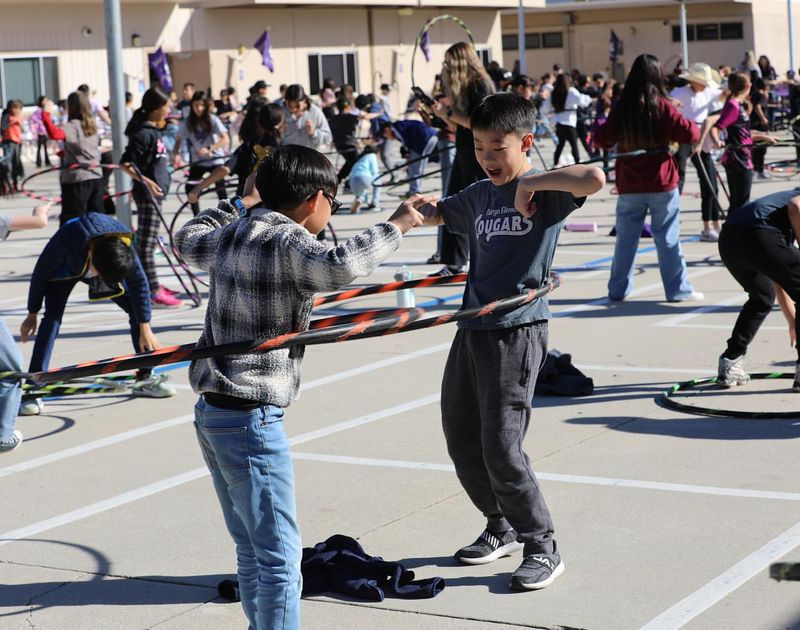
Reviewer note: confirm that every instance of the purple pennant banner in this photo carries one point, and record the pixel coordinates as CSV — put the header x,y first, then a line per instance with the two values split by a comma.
x,y
264,46
160,67
425,45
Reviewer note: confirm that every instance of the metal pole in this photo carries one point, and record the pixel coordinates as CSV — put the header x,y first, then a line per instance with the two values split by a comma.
x,y
791,36
523,64
684,37
117,102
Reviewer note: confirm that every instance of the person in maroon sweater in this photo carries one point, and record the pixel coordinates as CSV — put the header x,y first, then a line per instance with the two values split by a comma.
x,y
644,118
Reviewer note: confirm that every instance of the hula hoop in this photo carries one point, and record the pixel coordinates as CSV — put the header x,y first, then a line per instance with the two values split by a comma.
x,y
427,27
355,326
785,169
667,400
377,181
57,200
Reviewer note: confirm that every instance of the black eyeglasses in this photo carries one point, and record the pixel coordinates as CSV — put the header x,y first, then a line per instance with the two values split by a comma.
x,y
335,204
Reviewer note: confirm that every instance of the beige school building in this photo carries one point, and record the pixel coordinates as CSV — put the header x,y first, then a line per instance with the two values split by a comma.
x,y
577,34
52,46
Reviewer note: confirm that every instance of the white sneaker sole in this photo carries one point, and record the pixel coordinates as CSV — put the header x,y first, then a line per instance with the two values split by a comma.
x,y
539,585
500,552
732,383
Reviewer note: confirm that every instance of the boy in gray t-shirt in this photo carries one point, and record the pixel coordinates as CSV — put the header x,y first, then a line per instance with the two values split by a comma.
x,y
512,219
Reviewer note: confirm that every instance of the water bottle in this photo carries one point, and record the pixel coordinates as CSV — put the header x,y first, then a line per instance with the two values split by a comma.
x,y
405,297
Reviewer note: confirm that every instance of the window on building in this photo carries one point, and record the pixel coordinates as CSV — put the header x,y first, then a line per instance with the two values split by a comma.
x,y
731,30
553,40
532,40
707,32
341,67
485,55
28,78
676,33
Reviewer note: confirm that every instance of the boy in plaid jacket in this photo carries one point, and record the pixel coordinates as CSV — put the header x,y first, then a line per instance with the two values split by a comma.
x,y
265,268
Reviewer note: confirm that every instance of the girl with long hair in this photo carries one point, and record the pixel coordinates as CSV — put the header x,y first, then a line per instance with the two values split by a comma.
x,y
82,189
242,160
465,83
146,152
208,138
306,125
737,158
563,106
644,118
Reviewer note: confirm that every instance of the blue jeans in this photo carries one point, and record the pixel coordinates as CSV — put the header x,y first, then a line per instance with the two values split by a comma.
x,y
248,455
631,212
10,391
417,168
55,301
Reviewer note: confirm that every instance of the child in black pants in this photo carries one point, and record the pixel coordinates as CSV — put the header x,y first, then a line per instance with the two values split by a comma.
x,y
757,246
513,221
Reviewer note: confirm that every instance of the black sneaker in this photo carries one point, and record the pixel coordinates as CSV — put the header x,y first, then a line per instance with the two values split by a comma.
x,y
447,270
489,547
538,570
796,384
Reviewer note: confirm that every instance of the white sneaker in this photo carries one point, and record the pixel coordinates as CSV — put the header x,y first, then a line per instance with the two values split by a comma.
x,y
694,296
32,407
709,236
153,386
732,372
9,445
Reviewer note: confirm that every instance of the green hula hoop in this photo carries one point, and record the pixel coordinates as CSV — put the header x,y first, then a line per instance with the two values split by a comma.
x,y
667,400
426,28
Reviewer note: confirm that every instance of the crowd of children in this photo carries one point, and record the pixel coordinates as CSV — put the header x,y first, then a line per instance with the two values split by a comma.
x,y
266,261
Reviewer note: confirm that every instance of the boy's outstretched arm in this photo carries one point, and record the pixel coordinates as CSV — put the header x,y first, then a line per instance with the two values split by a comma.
x,y
579,180
37,220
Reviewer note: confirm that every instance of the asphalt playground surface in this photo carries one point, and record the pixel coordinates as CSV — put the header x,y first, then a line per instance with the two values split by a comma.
x,y
664,519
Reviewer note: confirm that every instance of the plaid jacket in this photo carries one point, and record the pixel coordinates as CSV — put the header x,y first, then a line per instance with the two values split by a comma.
x,y
264,272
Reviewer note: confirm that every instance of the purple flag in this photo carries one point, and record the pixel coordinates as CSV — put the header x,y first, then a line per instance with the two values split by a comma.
x,y
160,67
613,47
264,46
425,45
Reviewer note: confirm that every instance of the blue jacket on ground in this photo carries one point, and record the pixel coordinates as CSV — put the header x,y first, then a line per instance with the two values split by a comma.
x,y
414,134
65,257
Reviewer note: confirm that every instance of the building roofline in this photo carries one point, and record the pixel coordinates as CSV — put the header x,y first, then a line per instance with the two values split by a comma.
x,y
577,6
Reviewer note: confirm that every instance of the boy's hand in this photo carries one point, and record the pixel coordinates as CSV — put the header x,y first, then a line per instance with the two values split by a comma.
x,y
152,186
407,216
28,327
41,212
147,338
310,127
523,201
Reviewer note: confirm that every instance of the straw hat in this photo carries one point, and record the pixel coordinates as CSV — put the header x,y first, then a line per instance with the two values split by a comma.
x,y
702,73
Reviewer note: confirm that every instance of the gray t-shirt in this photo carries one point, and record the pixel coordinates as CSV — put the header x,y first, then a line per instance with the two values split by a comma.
x,y
5,226
509,254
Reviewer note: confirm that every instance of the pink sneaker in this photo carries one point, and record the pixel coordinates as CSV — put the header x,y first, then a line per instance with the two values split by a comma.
x,y
162,299
169,291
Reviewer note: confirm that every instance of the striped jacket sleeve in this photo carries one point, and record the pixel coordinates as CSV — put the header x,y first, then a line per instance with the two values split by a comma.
x,y
197,241
317,268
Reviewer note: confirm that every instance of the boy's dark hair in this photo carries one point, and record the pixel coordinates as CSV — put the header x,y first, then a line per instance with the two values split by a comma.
x,y
363,101
504,112
291,174
342,104
113,258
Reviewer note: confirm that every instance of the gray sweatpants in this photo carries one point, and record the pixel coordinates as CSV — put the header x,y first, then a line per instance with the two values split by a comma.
x,y
486,409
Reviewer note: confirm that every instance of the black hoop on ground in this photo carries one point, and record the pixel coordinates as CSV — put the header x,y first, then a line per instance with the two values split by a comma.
x,y
667,399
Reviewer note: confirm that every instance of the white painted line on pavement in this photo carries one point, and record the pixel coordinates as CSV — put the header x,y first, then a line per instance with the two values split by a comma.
x,y
135,433
197,473
723,585
102,506
673,321
563,478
